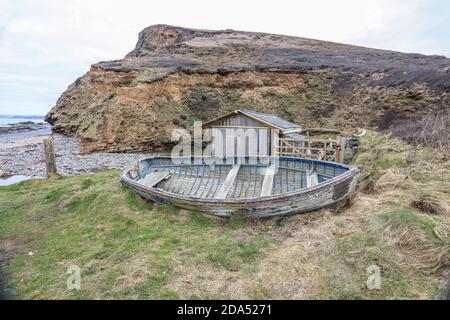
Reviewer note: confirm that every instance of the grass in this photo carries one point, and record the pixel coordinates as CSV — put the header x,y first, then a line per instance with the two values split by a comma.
x,y
397,244
124,248
406,218
129,249
409,242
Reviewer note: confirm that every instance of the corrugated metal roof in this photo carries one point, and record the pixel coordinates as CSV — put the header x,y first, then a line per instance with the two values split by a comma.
x,y
270,118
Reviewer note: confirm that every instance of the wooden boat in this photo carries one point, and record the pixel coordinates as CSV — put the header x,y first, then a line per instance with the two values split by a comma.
x,y
288,185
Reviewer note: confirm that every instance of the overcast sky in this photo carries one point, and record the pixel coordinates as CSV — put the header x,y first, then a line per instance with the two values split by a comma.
x,y
46,44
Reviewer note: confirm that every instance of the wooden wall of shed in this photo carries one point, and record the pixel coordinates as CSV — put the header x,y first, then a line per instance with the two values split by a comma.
x,y
230,141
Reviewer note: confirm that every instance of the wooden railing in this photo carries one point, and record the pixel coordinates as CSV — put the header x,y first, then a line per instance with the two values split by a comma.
x,y
329,150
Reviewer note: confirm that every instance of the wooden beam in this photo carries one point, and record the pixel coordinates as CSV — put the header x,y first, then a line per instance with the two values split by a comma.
x,y
237,127
50,158
309,140
337,155
209,122
322,130
342,154
235,112
154,178
267,185
227,184
295,130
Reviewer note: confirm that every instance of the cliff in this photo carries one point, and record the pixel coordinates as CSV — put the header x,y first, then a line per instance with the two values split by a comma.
x,y
177,75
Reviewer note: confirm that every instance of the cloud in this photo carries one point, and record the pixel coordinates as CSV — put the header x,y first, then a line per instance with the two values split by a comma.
x,y
44,40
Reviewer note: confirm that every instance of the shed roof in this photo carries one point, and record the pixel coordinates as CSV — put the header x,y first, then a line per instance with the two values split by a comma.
x,y
266,118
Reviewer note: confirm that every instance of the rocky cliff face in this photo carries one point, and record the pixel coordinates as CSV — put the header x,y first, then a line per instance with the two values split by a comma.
x,y
176,75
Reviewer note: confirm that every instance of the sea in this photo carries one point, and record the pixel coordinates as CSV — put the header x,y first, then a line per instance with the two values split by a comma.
x,y
11,136
10,119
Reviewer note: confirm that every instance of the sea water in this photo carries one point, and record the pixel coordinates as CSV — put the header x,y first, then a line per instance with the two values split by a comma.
x,y
15,119
13,179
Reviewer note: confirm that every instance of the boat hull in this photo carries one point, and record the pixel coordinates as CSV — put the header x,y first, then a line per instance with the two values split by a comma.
x,y
322,195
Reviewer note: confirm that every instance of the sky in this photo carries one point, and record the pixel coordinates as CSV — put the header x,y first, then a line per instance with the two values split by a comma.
x,y
45,45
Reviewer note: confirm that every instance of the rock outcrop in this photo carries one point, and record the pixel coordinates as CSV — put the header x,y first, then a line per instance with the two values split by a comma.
x,y
23,127
177,75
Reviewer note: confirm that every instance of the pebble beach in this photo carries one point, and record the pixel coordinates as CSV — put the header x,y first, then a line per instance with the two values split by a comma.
x,y
22,153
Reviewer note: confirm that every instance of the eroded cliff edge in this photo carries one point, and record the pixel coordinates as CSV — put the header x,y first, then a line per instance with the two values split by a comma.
x,y
177,75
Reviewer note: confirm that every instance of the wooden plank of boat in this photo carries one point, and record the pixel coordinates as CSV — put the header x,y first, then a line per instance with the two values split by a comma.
x,y
267,185
312,179
226,186
154,178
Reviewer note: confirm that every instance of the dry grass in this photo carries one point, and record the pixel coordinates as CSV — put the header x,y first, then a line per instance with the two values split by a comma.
x,y
411,247
424,241
431,130
430,203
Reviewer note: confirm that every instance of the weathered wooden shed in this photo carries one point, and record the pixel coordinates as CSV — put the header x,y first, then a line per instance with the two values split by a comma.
x,y
261,132
245,132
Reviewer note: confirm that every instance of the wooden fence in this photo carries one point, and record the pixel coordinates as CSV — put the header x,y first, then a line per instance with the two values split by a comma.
x,y
329,150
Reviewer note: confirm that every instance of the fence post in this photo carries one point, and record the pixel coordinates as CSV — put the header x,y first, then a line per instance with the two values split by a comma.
x,y
50,158
342,153
337,154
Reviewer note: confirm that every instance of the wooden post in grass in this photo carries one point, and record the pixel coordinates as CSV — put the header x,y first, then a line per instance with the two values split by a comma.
x,y
342,154
50,158
338,149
